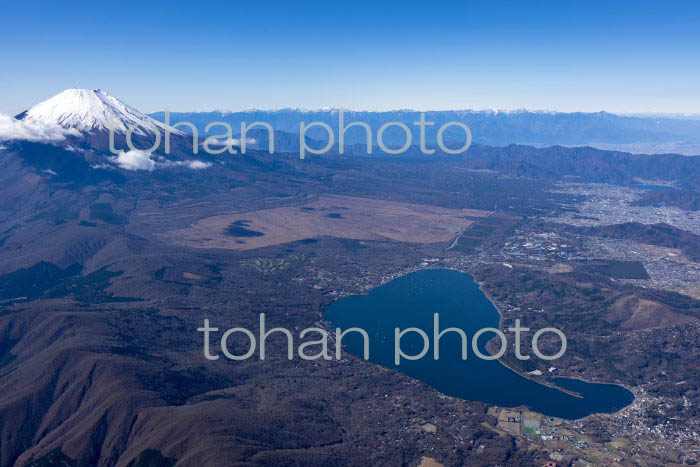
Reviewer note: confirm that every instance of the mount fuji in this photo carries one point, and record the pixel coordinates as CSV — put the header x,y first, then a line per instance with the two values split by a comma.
x,y
96,128
92,111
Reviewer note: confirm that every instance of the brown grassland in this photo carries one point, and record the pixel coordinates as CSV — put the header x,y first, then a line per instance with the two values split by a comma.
x,y
332,216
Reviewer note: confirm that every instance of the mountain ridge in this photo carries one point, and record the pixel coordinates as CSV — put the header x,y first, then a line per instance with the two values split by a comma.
x,y
603,130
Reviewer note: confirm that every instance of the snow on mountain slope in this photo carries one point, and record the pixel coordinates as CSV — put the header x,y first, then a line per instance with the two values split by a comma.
x,y
91,110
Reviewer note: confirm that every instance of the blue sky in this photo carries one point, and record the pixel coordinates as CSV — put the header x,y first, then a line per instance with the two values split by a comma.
x,y
623,56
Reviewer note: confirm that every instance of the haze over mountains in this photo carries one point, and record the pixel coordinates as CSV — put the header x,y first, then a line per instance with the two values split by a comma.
x,y
77,121
652,135
92,112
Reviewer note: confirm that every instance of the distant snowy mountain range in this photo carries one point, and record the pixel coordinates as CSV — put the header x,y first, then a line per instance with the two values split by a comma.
x,y
86,115
66,139
494,128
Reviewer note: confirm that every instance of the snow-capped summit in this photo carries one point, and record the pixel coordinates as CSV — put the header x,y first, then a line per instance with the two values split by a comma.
x,y
90,111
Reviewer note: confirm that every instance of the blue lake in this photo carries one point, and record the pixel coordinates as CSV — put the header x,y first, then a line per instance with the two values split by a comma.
x,y
411,301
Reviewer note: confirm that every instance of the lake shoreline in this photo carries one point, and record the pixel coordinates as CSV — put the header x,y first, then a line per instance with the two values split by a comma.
x,y
545,382
500,326
411,302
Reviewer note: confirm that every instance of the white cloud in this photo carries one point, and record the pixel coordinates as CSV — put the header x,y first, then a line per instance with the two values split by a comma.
x,y
193,164
211,141
13,129
141,160
197,165
135,160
